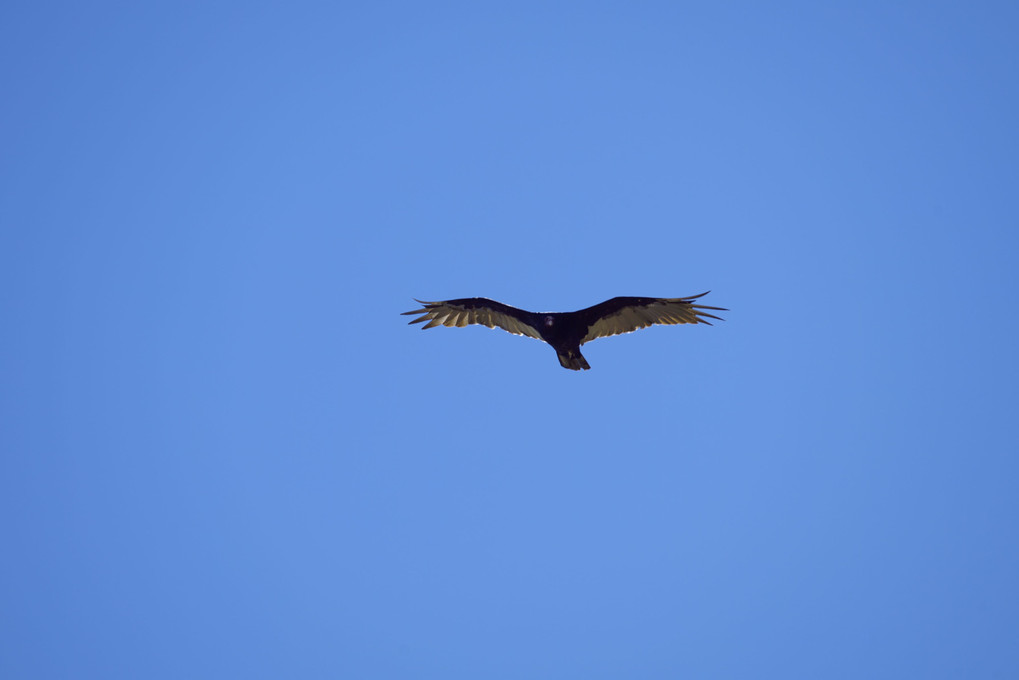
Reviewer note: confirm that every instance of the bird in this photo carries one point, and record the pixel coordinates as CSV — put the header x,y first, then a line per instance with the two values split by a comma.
x,y
567,331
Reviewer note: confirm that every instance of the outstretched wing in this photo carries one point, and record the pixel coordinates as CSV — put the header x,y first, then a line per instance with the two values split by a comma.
x,y
627,314
477,311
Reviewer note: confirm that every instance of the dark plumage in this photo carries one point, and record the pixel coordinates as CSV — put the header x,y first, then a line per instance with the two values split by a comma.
x,y
567,331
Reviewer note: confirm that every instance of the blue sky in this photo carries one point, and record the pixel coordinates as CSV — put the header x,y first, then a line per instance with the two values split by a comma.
x,y
224,454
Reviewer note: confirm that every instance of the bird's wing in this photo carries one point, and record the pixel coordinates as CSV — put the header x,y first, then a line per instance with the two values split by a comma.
x,y
478,311
627,314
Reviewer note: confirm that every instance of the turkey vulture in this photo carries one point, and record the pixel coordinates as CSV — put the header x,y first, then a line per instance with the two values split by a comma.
x,y
567,331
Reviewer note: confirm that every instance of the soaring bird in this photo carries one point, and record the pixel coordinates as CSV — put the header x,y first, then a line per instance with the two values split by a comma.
x,y
567,331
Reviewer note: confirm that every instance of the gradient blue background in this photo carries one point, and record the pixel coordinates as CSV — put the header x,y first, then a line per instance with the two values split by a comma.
x,y
224,454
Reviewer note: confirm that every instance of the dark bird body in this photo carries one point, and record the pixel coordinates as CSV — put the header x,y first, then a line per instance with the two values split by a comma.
x,y
567,331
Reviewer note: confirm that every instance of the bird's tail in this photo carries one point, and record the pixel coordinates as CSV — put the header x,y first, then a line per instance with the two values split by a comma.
x,y
573,360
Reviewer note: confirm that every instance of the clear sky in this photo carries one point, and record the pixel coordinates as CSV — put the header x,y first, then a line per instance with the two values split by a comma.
x,y
224,454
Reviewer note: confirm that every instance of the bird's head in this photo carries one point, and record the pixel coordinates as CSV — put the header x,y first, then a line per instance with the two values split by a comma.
x,y
549,320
